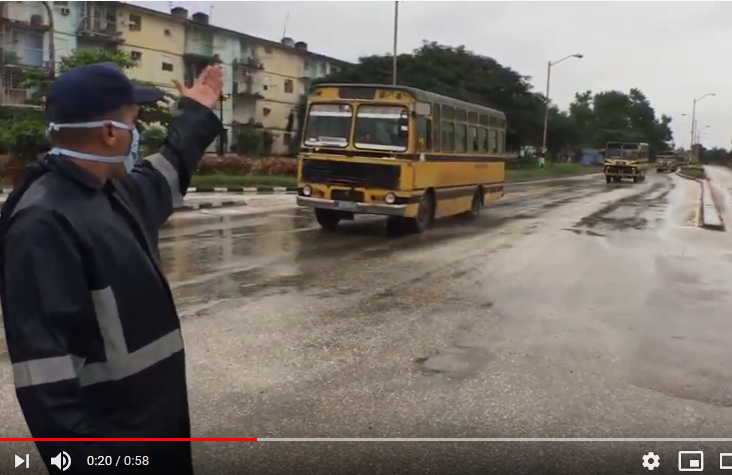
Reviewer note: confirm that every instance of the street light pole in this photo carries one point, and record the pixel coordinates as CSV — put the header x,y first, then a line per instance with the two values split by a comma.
x,y
394,56
548,102
693,120
546,108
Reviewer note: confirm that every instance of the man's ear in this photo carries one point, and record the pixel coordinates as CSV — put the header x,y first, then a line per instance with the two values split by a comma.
x,y
108,135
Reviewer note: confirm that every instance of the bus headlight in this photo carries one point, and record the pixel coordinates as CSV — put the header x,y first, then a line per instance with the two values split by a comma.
x,y
307,190
390,198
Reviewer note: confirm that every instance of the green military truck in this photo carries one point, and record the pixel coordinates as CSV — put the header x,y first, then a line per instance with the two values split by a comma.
x,y
626,160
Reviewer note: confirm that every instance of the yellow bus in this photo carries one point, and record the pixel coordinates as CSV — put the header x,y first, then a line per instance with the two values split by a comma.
x,y
398,151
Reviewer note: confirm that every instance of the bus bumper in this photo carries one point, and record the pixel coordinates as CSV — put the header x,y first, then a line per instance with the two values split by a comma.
x,y
353,206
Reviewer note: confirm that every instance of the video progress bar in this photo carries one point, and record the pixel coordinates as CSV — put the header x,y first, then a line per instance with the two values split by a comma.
x,y
368,439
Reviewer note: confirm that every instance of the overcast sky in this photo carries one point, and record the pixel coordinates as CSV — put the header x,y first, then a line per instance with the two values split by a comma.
x,y
672,51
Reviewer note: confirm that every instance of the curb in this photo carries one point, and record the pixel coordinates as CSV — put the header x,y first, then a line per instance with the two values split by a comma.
x,y
197,206
711,217
708,213
242,189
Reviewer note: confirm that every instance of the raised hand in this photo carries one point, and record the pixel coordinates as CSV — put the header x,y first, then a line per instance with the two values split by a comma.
x,y
207,88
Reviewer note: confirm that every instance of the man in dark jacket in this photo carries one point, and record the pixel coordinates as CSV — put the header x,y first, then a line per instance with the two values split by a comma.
x,y
90,321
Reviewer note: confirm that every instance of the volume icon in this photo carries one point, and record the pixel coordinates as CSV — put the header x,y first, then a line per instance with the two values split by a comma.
x,y
62,461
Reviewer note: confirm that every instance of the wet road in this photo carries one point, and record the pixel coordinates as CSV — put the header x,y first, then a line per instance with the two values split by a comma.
x,y
570,308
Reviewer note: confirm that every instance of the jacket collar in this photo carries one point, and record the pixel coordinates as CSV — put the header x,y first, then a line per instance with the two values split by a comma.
x,y
72,171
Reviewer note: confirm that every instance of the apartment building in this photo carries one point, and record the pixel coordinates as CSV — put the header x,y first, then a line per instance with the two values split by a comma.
x,y
264,81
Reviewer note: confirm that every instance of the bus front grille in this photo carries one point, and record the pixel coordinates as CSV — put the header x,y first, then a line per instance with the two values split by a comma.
x,y
347,195
368,175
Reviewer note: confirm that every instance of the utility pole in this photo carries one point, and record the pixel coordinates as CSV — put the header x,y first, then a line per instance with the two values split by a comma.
x,y
396,26
51,43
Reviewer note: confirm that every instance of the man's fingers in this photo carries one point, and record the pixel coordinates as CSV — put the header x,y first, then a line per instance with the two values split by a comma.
x,y
204,74
179,86
215,78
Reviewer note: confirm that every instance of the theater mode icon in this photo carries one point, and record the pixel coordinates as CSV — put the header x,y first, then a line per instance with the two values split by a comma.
x,y
691,461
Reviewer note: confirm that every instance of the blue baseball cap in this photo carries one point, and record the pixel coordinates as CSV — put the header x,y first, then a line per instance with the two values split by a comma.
x,y
89,92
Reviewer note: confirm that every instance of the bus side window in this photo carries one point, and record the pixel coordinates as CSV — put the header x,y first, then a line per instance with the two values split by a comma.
x,y
492,139
460,138
482,140
448,136
501,142
424,134
472,139
428,135
436,132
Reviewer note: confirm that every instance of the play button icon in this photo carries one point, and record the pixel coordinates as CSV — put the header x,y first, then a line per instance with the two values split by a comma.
x,y
20,461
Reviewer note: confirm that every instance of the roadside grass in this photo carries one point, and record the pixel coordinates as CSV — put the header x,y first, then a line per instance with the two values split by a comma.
x,y
551,170
223,180
512,175
694,171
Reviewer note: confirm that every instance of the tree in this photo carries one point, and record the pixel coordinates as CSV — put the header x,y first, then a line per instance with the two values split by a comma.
x,y
615,116
462,74
592,120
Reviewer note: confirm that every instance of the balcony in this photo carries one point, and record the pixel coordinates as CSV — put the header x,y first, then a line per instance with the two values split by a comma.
x,y
99,22
246,86
12,94
249,63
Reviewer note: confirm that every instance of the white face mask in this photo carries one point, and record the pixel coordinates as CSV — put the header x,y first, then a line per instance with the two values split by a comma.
x,y
128,160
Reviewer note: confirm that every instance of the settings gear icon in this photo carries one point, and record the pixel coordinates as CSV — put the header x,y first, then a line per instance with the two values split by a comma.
x,y
651,461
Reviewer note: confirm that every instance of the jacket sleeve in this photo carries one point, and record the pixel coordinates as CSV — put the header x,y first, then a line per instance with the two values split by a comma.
x,y
46,302
159,182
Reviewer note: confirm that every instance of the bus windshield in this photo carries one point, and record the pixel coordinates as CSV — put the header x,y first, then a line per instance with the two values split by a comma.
x,y
329,125
382,128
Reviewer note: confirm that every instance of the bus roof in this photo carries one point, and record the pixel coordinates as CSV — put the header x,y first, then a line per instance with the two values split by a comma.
x,y
424,96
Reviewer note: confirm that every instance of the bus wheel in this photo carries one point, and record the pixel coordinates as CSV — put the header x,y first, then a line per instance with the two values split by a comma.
x,y
425,214
328,219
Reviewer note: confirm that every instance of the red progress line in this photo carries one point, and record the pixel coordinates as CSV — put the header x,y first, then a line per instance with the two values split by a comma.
x,y
128,439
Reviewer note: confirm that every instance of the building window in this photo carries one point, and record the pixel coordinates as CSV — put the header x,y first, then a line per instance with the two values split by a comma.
x,y
167,67
135,22
167,32
288,85
268,49
136,56
266,111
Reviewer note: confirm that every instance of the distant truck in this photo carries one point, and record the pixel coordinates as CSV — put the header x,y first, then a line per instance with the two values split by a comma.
x,y
626,160
667,163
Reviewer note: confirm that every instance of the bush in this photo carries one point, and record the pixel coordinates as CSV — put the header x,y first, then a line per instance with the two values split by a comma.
x,y
151,140
237,165
249,142
267,141
228,164
275,166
